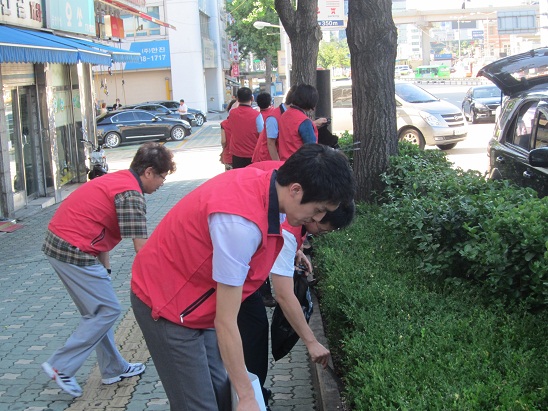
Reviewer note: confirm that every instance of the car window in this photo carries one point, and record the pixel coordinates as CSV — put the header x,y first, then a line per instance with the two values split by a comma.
x,y
524,125
542,131
146,107
122,117
141,115
413,94
487,92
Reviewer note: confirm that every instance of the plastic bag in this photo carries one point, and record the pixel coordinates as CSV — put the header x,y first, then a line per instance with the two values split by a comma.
x,y
283,336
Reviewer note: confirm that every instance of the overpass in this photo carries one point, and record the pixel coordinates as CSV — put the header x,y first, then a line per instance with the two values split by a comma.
x,y
425,18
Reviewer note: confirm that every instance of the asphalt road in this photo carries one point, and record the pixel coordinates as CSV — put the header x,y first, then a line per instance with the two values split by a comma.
x,y
470,154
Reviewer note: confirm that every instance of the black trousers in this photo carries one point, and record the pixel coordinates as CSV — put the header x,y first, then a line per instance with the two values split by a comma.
x,y
253,325
240,162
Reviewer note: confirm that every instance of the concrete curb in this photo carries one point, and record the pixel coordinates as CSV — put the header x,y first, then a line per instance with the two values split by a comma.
x,y
325,386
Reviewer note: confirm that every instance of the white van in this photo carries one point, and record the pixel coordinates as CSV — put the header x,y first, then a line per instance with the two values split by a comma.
x,y
422,118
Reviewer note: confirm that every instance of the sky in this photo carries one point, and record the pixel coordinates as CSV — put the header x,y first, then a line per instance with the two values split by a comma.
x,y
456,4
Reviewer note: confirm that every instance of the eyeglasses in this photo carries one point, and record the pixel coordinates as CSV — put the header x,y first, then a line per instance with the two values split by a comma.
x,y
162,177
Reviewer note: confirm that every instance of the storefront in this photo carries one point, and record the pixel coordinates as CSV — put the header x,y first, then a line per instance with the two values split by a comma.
x,y
45,110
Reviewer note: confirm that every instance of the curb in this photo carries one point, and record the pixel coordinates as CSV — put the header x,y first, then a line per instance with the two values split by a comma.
x,y
325,386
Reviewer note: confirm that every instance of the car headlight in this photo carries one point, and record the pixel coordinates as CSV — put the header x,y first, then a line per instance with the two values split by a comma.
x,y
429,118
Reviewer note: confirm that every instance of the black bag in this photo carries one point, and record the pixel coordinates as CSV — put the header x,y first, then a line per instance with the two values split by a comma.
x,y
282,335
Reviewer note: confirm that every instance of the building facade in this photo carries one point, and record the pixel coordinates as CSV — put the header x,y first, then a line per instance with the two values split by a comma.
x,y
187,59
47,103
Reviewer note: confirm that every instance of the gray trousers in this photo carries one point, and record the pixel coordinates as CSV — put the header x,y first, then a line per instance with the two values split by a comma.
x,y
91,290
188,362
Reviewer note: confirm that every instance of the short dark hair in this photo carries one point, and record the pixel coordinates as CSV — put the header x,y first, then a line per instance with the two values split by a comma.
x,y
154,155
244,94
289,95
305,97
323,173
264,100
341,217
181,101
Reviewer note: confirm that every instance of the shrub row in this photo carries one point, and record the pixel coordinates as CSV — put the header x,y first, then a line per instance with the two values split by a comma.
x,y
463,226
402,342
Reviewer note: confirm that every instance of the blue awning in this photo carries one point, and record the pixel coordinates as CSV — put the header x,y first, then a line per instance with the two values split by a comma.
x,y
28,46
118,55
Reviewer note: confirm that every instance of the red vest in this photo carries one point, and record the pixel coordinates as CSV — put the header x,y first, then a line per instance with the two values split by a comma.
x,y
226,155
297,232
289,139
172,273
261,152
87,218
243,125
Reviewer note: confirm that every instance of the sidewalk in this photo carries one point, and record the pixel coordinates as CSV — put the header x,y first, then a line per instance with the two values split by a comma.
x,y
37,315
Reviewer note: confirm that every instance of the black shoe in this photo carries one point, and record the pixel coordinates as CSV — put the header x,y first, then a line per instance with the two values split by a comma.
x,y
266,395
269,301
268,408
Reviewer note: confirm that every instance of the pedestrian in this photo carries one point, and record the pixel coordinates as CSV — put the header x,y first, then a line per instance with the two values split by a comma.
x,y
226,155
87,225
117,104
267,144
252,317
187,304
182,109
243,125
103,108
296,128
264,101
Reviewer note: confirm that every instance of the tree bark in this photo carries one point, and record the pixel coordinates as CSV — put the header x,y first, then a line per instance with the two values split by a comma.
x,y
372,40
301,26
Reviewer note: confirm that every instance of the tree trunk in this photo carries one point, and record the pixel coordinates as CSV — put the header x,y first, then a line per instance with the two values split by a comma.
x,y
268,74
372,40
302,28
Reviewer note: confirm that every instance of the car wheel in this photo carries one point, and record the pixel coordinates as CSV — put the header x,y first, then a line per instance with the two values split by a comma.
x,y
413,136
178,133
474,116
112,139
447,146
200,120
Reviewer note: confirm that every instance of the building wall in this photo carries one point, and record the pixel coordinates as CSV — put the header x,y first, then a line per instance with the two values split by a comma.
x,y
139,86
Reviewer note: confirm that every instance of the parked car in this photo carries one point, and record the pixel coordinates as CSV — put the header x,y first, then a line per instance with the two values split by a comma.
x,y
199,115
162,111
481,102
518,150
125,126
422,118
403,70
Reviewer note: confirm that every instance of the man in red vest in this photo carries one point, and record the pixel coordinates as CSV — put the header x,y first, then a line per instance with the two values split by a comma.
x,y
243,125
211,251
87,225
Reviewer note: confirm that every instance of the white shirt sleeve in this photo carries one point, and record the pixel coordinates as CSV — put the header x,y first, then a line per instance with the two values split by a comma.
x,y
235,239
285,262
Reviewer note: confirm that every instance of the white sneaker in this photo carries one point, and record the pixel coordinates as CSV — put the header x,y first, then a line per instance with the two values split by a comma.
x,y
132,370
67,384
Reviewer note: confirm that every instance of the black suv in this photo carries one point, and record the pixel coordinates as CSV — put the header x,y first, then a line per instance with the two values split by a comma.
x,y
519,148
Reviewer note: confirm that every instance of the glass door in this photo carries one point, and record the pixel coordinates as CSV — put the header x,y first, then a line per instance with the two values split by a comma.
x,y
21,129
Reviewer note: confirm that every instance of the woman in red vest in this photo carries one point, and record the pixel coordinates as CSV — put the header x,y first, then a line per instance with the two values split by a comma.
x,y
296,128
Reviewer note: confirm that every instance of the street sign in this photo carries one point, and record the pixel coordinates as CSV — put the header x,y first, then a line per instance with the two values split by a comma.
x,y
331,14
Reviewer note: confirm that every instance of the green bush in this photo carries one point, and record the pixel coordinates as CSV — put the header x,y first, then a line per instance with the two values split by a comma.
x,y
463,226
403,342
